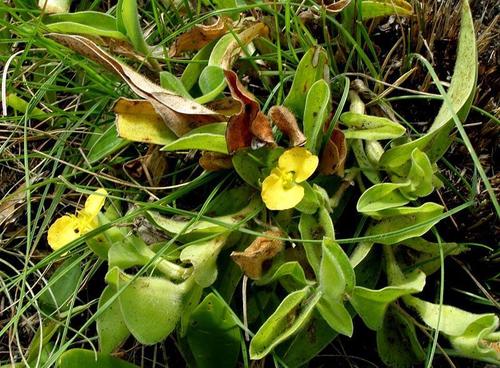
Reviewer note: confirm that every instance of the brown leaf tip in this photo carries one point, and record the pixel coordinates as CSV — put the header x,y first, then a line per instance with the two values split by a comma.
x,y
252,260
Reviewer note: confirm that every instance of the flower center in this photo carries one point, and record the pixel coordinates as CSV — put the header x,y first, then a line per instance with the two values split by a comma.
x,y
288,179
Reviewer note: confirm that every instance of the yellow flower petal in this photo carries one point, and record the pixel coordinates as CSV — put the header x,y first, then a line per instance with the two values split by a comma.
x,y
276,196
299,160
95,202
63,231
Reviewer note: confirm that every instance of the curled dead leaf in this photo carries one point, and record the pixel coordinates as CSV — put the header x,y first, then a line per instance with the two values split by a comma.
x,y
333,157
286,122
335,6
215,161
226,106
249,122
199,36
262,249
179,113
243,38
152,166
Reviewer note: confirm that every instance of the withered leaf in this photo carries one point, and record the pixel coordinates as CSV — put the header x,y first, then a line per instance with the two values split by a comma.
x,y
334,154
335,6
226,106
138,121
232,50
199,36
9,205
155,165
286,122
179,113
152,166
262,249
249,122
215,161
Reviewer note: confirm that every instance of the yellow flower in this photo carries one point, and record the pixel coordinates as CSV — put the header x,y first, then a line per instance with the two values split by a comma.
x,y
280,190
70,227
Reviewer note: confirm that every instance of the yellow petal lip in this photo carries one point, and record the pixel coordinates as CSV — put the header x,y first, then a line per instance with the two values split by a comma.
x,y
95,202
70,227
276,196
300,161
63,231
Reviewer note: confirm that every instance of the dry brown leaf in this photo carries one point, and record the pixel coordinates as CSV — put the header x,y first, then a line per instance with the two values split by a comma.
x,y
233,49
215,161
261,250
199,36
336,6
179,113
249,122
261,128
334,154
155,165
9,205
286,122
226,106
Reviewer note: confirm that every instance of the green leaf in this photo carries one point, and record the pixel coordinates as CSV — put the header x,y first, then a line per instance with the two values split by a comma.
x,y
174,84
203,257
312,67
102,242
128,22
420,219
309,341
150,306
213,334
103,142
317,333
111,327
433,144
202,228
461,93
428,259
382,8
381,197
316,112
309,203
85,22
191,74
464,80
254,165
370,127
41,340
397,342
210,137
371,305
315,227
336,279
81,358
129,252
336,315
420,176
336,276
192,300
61,287
366,166
212,83
291,273
453,321
230,201
290,316
468,332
